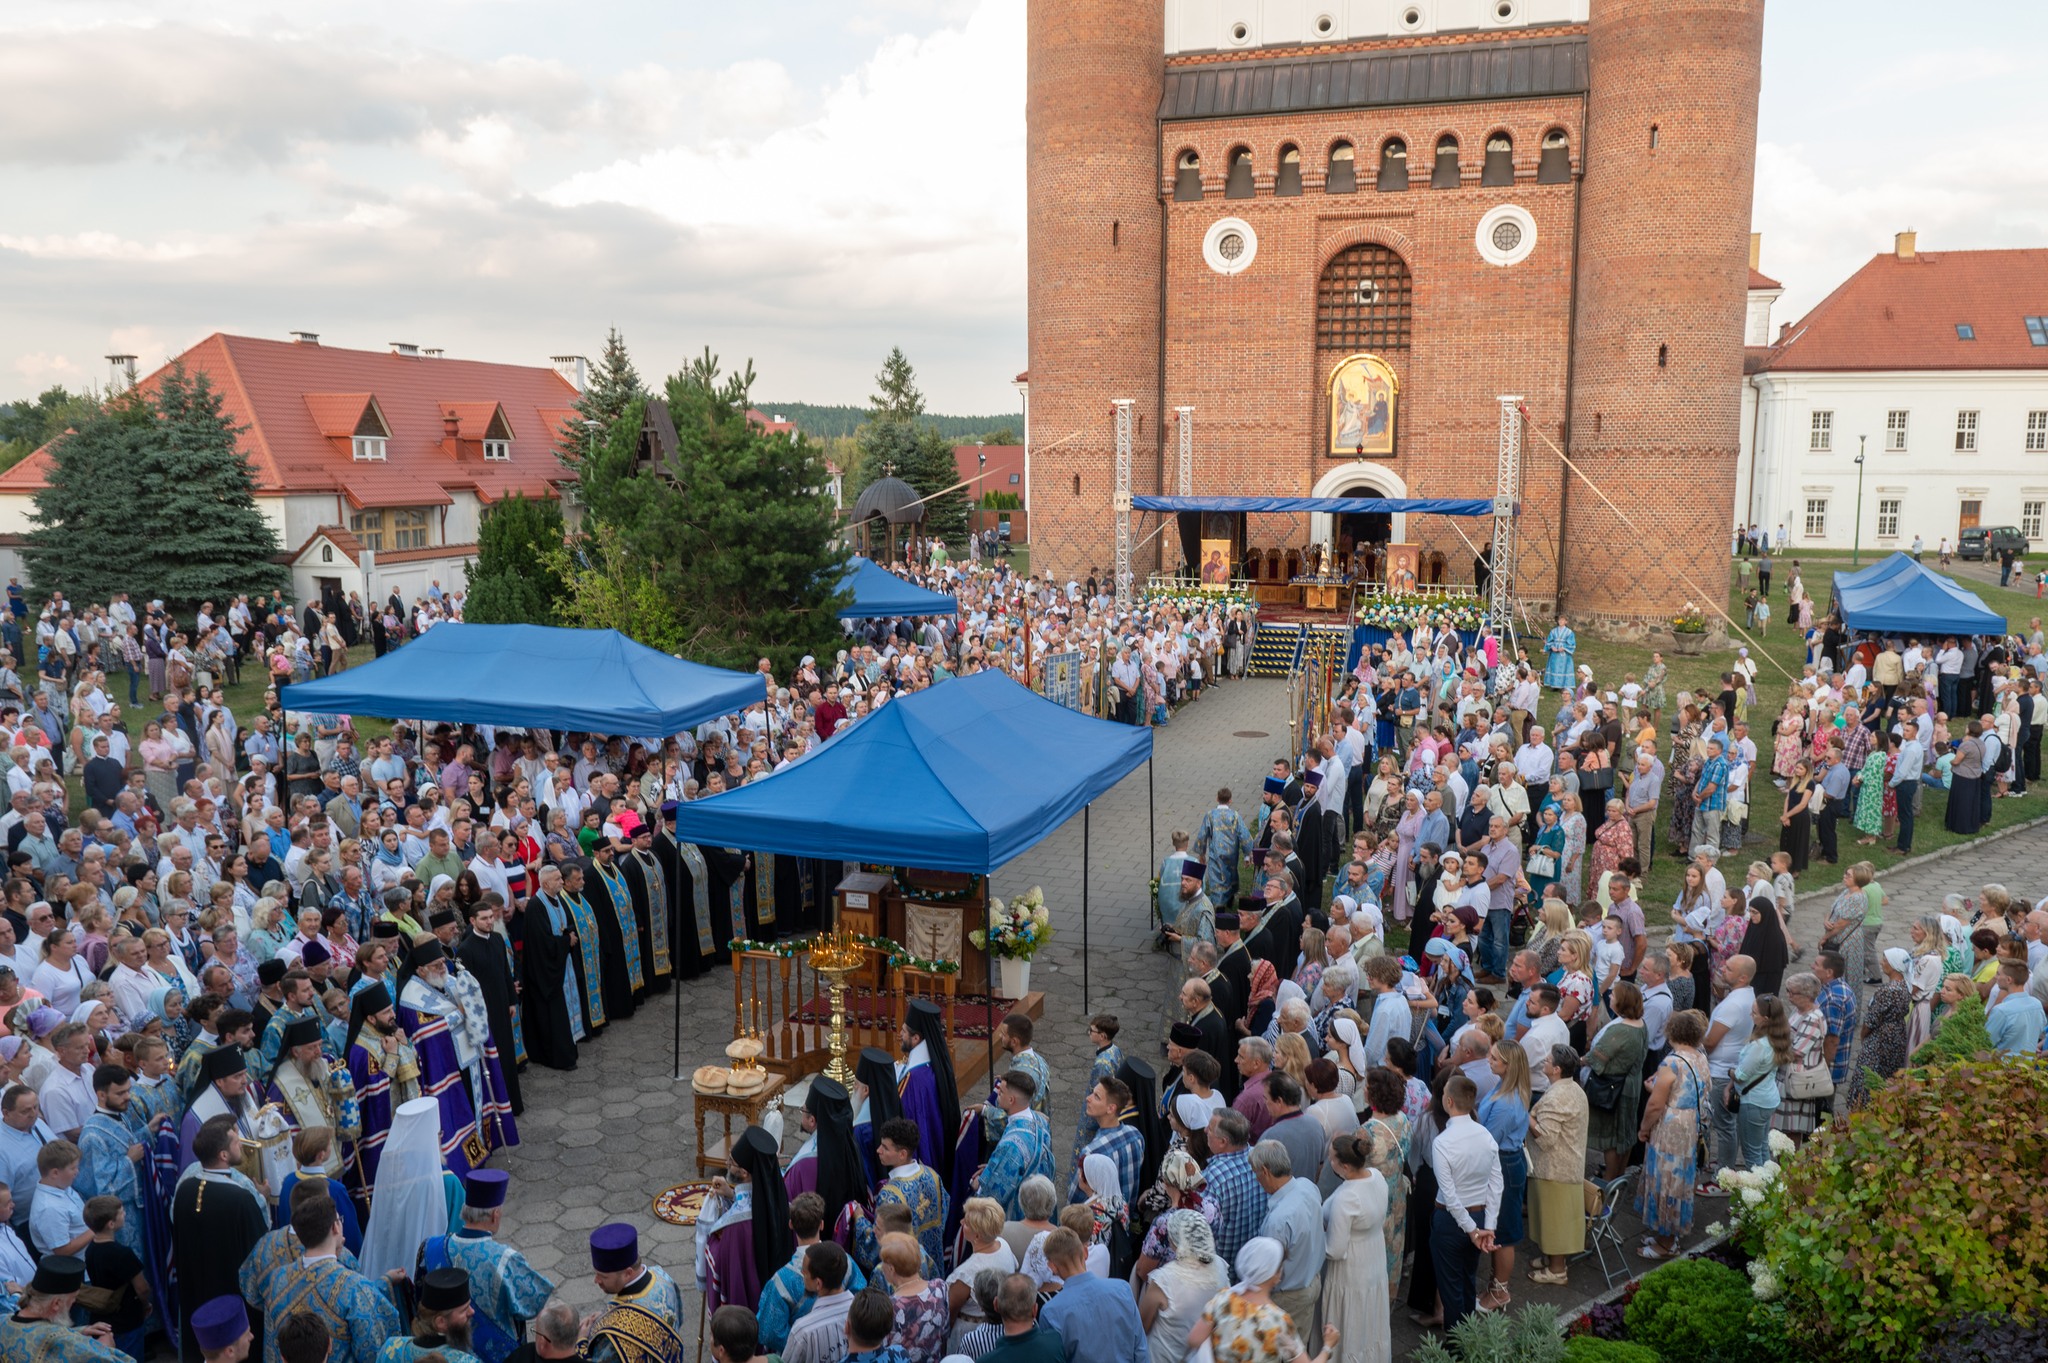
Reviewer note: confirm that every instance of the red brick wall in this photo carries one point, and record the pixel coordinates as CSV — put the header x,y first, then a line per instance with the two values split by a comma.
x,y
1241,349
1095,75
1664,260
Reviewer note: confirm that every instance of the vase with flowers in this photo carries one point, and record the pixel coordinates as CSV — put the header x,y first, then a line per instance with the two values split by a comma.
x,y
1015,933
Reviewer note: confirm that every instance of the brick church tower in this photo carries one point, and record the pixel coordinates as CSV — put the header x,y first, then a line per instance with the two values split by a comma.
x,y
1095,71
1663,274
1337,230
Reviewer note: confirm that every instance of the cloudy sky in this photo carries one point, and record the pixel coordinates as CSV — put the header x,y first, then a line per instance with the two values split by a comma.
x,y
800,181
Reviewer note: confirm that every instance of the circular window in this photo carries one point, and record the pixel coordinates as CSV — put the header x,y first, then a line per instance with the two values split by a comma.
x,y
1504,11
1505,236
1325,24
1411,18
1230,246
1239,32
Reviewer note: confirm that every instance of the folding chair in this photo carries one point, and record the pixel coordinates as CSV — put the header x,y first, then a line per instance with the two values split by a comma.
x,y
1601,1235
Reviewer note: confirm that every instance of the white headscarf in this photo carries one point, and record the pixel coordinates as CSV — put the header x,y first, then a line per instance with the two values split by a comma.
x,y
1952,928
409,1204
1346,1031
1194,1112
1104,1181
1258,1263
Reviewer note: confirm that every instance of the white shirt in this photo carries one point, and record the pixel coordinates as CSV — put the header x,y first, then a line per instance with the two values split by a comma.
x,y
1732,1012
67,1098
1533,762
1467,1164
131,993
1656,1012
1544,1033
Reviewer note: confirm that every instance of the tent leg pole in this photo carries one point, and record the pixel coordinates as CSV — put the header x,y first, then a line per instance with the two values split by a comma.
x,y
1086,810
987,931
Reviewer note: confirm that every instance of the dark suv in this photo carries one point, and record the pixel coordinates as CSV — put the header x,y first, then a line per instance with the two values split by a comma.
x,y
1989,541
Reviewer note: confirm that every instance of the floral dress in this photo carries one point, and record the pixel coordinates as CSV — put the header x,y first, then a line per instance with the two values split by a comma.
x,y
921,1323
1800,1116
1386,1149
1685,773
1788,748
1891,797
1613,840
1573,862
1870,797
1671,1157
1884,1047
1652,700
1250,1334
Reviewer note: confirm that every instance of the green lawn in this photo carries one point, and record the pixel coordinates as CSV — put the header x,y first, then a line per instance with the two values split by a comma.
x,y
1785,647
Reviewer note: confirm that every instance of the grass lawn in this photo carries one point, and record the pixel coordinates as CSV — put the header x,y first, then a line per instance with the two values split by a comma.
x,y
1785,647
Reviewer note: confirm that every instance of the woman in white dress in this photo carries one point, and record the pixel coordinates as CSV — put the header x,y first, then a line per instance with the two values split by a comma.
x,y
1355,1297
1178,1290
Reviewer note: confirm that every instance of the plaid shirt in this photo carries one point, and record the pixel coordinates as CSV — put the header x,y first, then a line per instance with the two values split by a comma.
x,y
1838,1003
1856,747
1240,1202
1713,772
1126,1146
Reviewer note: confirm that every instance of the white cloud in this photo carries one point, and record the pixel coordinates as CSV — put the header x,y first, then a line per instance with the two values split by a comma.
x,y
95,245
44,368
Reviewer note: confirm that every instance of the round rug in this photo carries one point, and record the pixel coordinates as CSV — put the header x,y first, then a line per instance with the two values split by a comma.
x,y
679,1205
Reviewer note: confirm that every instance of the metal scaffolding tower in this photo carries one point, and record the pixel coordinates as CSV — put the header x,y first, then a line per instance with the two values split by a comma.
x,y
1124,437
1507,497
1186,418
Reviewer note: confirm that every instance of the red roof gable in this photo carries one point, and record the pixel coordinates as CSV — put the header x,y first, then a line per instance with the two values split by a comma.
x,y
1003,460
1904,314
762,422
1759,280
302,402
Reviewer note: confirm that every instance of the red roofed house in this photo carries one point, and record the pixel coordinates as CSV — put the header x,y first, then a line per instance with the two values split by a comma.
x,y
1932,365
374,467
1003,471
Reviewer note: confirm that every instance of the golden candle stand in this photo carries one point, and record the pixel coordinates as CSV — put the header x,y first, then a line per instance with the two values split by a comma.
x,y
835,956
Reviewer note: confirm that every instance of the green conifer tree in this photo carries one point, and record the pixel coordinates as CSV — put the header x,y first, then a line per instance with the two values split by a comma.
x,y
613,384
514,580
204,536
83,542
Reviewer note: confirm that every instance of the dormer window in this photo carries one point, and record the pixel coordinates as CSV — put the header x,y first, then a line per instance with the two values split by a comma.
x,y
370,447
500,450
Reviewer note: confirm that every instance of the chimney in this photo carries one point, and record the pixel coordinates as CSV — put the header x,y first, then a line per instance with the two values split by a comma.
x,y
305,338
1784,330
1756,250
120,373
574,368
406,348
433,352
451,424
1904,244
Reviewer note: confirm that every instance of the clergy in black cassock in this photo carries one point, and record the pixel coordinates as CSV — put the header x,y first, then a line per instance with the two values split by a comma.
x,y
488,957
611,901
642,872
589,880
215,1223
1234,961
553,965
796,903
729,869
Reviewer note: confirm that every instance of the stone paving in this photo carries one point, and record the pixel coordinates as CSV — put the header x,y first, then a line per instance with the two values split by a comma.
x,y
600,1142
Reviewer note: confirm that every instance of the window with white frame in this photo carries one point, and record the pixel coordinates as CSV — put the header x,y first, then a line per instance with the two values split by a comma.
x,y
498,449
1821,438
2037,432
1816,518
2030,518
1966,432
1895,430
1888,517
368,447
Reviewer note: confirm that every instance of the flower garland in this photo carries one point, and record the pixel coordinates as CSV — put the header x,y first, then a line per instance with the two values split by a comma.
x,y
789,948
972,890
1198,603
1462,611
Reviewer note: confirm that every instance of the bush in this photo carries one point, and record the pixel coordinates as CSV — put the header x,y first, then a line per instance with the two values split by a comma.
x,y
1962,1035
1587,1349
1691,1311
1986,1338
1531,1336
1923,1207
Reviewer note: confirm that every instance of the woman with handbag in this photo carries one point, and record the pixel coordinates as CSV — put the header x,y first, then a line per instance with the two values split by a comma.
x,y
1557,1168
1807,1085
1614,1080
1754,1088
1546,854
1670,1133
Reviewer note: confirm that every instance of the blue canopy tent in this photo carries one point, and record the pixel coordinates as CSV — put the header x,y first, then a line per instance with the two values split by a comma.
x,y
877,592
533,676
1914,600
964,776
1884,570
1427,506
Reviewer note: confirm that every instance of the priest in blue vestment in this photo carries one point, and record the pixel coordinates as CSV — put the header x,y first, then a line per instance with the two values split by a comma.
x,y
506,1291
1025,1149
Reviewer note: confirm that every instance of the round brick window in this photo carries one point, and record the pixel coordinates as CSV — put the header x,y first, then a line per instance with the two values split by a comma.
x,y
1229,246
1505,235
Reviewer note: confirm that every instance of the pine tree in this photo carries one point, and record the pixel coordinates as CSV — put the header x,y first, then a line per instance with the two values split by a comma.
x,y
84,542
898,399
935,473
203,534
613,384
514,580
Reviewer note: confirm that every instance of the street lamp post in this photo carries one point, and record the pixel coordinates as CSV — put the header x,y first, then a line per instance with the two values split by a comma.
x,y
980,468
1856,550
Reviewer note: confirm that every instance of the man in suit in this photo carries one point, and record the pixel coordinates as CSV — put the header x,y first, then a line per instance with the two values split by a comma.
x,y
345,811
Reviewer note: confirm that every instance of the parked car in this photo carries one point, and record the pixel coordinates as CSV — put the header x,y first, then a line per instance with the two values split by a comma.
x,y
1989,541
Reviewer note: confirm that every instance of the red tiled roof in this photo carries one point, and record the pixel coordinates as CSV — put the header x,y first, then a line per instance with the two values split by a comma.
x,y
770,425
342,539
295,399
1024,377
1003,460
1903,314
1759,280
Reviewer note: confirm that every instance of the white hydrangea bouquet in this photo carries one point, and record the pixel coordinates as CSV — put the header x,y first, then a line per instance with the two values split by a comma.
x,y
1755,1202
1016,930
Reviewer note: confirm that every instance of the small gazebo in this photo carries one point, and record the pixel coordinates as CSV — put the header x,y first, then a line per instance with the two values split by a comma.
x,y
890,500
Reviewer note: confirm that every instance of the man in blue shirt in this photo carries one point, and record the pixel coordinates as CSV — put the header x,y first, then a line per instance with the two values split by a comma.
x,y
1710,795
2015,1024
1097,1319
1294,1217
1906,783
1240,1201
1835,781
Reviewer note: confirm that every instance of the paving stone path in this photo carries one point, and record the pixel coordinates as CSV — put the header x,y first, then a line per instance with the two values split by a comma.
x,y
600,1142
